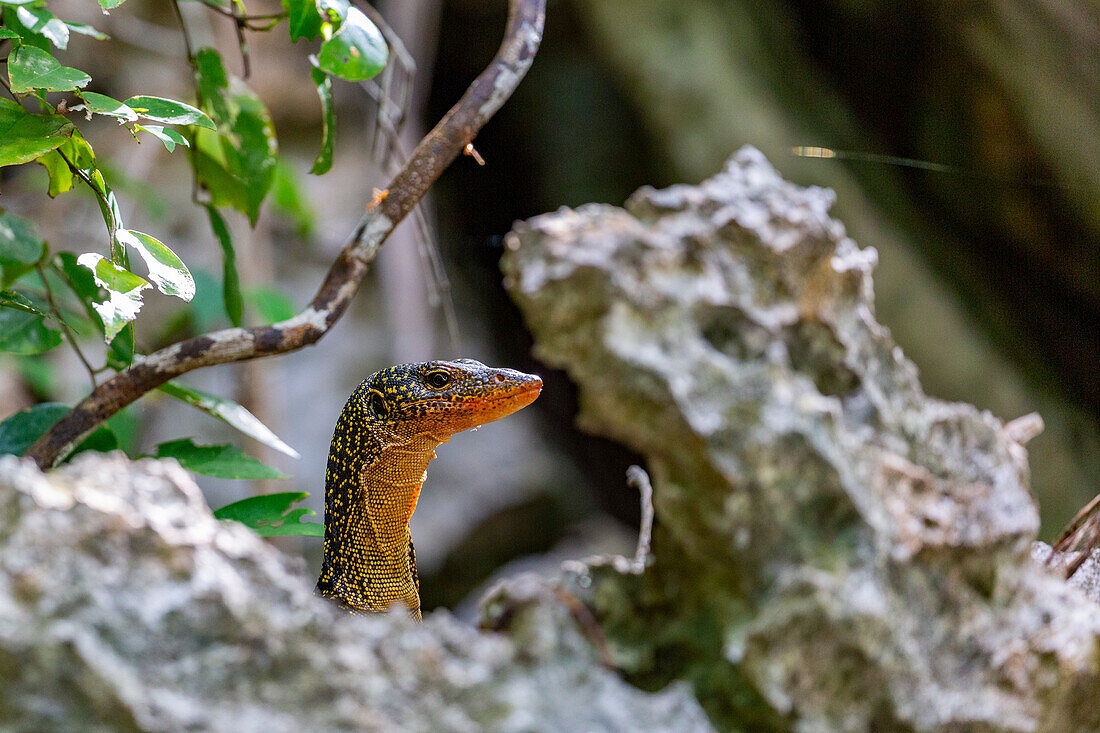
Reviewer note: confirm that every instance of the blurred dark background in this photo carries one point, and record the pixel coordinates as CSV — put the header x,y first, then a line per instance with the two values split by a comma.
x,y
989,273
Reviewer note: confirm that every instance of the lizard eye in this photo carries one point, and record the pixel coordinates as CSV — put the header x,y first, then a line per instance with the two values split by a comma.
x,y
377,403
438,380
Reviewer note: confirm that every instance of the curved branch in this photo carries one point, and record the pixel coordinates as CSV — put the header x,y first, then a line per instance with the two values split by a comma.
x,y
434,153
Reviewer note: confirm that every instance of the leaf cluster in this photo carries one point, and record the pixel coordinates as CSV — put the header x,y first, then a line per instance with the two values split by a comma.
x,y
48,297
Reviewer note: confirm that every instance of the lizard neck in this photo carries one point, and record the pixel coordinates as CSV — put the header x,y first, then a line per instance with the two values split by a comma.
x,y
372,486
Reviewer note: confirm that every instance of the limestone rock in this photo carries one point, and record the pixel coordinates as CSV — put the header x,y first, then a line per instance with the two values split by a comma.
x,y
834,550
124,605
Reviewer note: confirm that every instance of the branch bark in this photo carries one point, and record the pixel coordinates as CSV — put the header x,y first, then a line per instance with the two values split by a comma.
x,y
431,157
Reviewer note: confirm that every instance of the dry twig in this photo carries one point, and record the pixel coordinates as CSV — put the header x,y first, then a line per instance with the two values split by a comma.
x,y
639,479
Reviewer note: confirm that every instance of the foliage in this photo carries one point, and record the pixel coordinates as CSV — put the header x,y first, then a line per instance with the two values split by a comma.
x,y
219,461
48,296
20,430
270,515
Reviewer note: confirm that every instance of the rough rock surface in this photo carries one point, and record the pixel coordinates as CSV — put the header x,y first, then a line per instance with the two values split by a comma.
x,y
1086,577
834,550
124,605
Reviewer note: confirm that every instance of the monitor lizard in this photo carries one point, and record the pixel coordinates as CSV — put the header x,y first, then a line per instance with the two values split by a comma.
x,y
385,437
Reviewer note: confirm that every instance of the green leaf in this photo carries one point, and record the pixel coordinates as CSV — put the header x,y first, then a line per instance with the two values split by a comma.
x,y
212,171
169,137
27,37
56,162
270,515
303,18
102,440
219,461
289,198
32,303
31,68
166,270
236,165
231,281
110,4
25,333
323,82
7,33
20,302
212,82
169,111
127,428
109,276
272,304
24,137
43,21
86,30
80,280
18,432
355,52
230,412
77,149
60,174
123,290
19,241
20,248
120,352
101,104
82,283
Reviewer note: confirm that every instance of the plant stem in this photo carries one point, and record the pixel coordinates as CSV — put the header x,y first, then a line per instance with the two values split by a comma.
x,y
237,14
64,326
183,30
10,92
243,17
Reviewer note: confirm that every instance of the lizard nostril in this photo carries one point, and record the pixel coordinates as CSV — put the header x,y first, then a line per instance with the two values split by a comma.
x,y
498,377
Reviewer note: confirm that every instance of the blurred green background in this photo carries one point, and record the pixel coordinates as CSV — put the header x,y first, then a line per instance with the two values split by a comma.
x,y
989,273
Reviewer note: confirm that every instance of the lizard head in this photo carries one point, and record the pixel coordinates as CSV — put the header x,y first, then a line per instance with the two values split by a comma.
x,y
445,397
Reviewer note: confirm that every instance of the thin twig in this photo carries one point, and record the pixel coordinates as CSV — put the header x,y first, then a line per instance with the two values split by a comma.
x,y
588,624
1089,533
436,151
64,326
243,17
183,30
637,478
380,90
1068,537
397,46
242,43
118,253
10,92
439,285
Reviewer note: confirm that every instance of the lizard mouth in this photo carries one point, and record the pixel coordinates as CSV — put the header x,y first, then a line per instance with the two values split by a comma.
x,y
510,398
531,388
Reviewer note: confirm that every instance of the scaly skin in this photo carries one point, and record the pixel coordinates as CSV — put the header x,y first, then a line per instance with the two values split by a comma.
x,y
385,437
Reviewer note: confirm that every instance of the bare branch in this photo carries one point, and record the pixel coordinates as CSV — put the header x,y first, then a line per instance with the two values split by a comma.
x,y
434,153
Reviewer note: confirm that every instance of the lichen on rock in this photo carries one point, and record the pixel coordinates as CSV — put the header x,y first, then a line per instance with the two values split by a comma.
x,y
835,550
